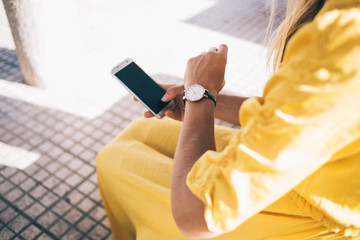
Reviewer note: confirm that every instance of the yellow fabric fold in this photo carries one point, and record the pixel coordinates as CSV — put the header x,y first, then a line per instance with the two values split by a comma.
x,y
307,120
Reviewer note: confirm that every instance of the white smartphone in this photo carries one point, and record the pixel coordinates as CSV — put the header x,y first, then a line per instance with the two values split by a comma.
x,y
142,86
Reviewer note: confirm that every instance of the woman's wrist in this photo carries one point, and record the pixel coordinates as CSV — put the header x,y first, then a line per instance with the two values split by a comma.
x,y
204,107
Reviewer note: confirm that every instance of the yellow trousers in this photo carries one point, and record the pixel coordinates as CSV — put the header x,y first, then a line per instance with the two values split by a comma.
x,y
134,174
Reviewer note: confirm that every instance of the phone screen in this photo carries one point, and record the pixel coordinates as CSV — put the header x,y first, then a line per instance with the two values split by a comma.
x,y
143,86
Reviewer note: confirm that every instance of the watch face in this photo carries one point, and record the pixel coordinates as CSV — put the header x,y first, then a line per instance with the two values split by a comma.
x,y
194,93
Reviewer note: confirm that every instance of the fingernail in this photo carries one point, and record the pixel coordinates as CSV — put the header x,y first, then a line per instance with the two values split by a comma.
x,y
165,97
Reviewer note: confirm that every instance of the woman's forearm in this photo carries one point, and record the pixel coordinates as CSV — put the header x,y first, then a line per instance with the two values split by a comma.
x,y
227,108
197,136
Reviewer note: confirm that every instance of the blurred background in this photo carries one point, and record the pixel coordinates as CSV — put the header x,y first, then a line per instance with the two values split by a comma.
x,y
59,104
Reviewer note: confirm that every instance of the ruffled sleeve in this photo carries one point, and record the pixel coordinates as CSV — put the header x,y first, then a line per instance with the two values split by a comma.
x,y
310,111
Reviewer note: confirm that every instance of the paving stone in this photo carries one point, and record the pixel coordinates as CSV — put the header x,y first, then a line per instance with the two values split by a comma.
x,y
31,232
53,167
38,191
58,137
35,210
72,234
98,146
40,129
98,213
40,175
61,189
99,232
61,207
67,143
30,124
75,196
7,137
28,184
47,219
44,236
85,224
94,178
49,199
14,142
2,205
13,195
65,158
50,121
6,233
73,215
98,134
75,164
69,130
88,155
36,140
18,238
86,205
51,182
26,146
45,146
31,169
59,228
88,130
58,126
18,224
7,172
78,136
86,187
77,149
86,170
63,173
78,124
107,128
55,152
6,186
105,223
7,215
73,179
44,160
24,202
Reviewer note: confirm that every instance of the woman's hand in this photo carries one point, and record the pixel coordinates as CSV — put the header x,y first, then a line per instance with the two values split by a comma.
x,y
207,70
172,92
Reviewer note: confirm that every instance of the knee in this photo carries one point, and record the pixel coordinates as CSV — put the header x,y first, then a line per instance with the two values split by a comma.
x,y
112,156
110,163
140,126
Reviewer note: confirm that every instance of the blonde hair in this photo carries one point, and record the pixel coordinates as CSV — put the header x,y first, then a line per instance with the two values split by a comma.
x,y
298,13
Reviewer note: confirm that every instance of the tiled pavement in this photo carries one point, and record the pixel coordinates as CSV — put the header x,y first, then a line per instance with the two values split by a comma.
x,y
48,185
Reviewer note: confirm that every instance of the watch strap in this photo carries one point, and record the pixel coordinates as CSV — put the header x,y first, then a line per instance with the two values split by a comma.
x,y
209,96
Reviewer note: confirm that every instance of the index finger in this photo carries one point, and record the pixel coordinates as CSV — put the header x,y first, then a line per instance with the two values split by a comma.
x,y
223,49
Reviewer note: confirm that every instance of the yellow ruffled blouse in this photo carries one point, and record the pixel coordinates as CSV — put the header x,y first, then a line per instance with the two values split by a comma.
x,y
302,137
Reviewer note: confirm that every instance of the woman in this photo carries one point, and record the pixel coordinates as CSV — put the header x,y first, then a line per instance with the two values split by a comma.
x,y
291,172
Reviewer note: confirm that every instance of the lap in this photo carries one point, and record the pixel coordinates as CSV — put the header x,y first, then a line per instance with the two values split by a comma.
x,y
144,152
134,172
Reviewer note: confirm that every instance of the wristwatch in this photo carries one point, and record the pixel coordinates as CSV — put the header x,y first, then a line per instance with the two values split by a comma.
x,y
197,92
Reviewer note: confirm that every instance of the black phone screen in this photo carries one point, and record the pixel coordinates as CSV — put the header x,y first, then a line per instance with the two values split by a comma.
x,y
143,86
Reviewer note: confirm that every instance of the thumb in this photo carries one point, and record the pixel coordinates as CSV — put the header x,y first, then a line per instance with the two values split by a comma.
x,y
172,92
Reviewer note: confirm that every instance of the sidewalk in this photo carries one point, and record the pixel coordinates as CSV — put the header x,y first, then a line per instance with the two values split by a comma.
x,y
49,141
